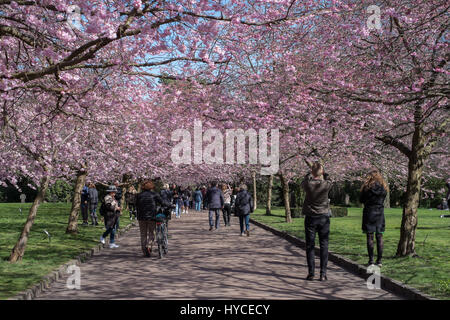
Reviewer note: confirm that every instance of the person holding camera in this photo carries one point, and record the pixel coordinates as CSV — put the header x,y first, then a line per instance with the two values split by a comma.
x,y
316,209
111,215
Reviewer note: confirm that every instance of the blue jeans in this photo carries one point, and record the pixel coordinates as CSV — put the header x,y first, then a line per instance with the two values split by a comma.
x,y
177,210
198,205
112,232
245,218
217,212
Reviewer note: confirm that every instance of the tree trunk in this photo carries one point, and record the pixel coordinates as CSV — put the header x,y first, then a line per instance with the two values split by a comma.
x,y
285,185
387,200
19,249
255,202
72,226
125,180
269,195
406,244
139,188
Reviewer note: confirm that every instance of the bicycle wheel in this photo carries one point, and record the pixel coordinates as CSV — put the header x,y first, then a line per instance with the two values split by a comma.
x,y
159,240
165,241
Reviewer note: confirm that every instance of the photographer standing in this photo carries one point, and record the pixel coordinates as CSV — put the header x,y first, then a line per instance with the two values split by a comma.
x,y
111,216
316,209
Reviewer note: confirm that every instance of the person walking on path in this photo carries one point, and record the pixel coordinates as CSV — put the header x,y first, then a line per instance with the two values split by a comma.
x,y
198,197
185,196
85,204
178,201
233,200
166,194
147,203
112,213
373,193
118,198
226,211
316,209
214,197
243,206
205,200
130,197
93,202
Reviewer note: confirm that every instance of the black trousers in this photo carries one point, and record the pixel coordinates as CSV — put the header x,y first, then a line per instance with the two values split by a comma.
x,y
226,211
320,225
84,211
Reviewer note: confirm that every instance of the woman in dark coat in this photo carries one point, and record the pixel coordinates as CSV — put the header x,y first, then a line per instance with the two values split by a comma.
x,y
243,207
373,193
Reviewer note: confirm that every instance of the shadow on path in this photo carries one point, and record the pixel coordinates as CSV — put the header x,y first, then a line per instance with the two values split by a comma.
x,y
204,264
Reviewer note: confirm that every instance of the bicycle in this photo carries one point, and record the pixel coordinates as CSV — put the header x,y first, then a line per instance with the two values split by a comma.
x,y
162,232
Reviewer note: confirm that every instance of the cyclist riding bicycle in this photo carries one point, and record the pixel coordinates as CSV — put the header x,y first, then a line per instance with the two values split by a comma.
x,y
147,203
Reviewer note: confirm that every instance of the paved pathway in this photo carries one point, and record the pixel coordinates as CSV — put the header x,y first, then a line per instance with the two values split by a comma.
x,y
210,265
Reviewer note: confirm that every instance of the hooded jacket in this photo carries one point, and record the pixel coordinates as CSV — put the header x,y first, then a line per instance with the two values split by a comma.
x,y
147,203
243,203
214,198
373,198
373,212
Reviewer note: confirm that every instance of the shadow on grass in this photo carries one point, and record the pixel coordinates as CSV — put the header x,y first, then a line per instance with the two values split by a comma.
x,y
432,228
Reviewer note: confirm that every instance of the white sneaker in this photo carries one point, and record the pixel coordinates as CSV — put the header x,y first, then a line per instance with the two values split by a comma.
x,y
102,240
113,245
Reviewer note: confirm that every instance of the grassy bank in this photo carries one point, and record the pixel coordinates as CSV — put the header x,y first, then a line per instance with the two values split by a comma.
x,y
430,272
41,256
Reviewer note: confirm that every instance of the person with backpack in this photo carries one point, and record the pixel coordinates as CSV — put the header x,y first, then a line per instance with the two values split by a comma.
x,y
226,211
243,206
130,197
93,202
198,197
147,203
316,209
373,193
85,204
214,197
110,209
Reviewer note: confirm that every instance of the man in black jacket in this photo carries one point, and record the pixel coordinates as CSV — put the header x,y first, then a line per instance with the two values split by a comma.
x,y
147,203
316,209
214,197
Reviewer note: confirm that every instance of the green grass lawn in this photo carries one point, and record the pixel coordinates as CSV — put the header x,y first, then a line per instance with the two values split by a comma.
x,y
430,272
41,257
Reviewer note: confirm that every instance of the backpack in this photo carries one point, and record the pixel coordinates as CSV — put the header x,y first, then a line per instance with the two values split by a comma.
x,y
103,209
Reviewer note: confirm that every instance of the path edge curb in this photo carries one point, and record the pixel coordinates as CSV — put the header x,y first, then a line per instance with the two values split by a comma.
x,y
388,284
52,277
